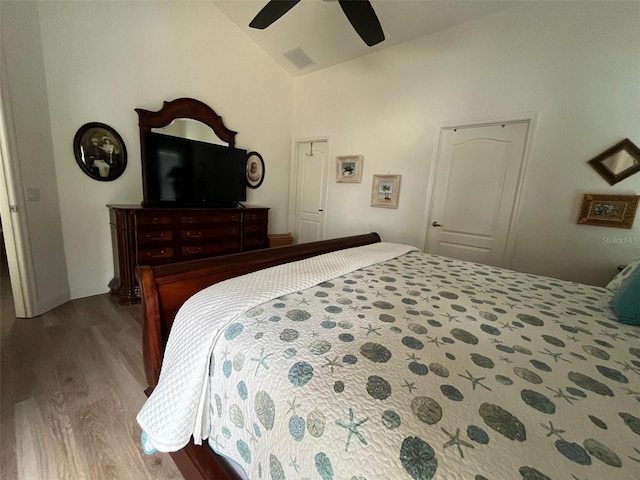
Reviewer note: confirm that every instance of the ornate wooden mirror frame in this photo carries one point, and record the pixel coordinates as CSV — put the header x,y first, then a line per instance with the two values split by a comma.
x,y
173,110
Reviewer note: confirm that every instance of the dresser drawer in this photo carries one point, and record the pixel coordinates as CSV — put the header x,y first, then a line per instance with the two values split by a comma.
x,y
222,231
143,220
153,254
258,216
255,229
254,243
210,249
221,217
155,236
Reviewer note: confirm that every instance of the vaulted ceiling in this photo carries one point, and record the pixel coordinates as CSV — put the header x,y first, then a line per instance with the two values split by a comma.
x,y
320,29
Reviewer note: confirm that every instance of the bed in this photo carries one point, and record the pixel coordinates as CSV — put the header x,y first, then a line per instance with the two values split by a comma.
x,y
357,359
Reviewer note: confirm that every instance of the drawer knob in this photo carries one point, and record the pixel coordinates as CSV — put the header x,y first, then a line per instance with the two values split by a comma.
x,y
194,250
155,220
156,254
159,236
194,234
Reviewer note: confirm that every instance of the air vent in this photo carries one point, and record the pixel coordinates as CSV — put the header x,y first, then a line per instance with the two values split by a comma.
x,y
299,58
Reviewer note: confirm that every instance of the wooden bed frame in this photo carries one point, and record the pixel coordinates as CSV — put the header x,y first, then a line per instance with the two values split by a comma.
x,y
165,288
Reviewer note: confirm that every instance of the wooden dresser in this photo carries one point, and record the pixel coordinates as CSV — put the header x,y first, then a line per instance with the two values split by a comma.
x,y
145,236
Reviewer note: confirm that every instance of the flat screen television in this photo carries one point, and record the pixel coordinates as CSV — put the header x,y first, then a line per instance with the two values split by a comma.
x,y
189,173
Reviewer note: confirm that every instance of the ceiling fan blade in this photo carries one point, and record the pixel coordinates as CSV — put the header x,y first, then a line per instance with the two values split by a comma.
x,y
364,20
271,12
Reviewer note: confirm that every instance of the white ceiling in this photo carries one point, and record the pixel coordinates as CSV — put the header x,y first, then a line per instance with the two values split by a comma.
x,y
321,29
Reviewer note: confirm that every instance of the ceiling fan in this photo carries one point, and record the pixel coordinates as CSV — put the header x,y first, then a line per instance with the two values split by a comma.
x,y
360,14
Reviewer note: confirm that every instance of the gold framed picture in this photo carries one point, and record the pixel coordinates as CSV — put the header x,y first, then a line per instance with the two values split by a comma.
x,y
608,210
349,169
385,191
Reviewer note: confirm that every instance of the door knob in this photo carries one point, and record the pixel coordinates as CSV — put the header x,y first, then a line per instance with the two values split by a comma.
x,y
435,224
320,210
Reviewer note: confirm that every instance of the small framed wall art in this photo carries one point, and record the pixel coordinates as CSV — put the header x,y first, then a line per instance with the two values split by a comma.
x,y
385,191
349,169
608,210
100,151
255,170
618,162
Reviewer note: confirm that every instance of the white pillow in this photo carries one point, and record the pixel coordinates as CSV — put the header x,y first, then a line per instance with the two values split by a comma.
x,y
620,277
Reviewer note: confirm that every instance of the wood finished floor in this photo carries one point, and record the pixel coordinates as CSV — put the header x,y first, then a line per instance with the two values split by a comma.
x,y
71,384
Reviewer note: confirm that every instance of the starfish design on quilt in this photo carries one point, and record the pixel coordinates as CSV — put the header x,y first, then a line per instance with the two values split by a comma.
x,y
450,317
495,340
625,365
293,405
216,442
628,391
262,361
507,360
294,463
455,440
355,308
225,354
553,430
555,356
573,338
612,336
260,321
508,326
474,381
371,329
435,341
511,305
332,363
315,334
352,428
410,386
252,437
378,294
412,357
560,394
304,301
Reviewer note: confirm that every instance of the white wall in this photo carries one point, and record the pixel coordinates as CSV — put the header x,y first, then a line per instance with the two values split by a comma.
x,y
27,109
575,65
103,59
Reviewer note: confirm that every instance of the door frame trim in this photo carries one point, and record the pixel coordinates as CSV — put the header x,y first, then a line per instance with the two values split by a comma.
x,y
293,181
15,225
531,118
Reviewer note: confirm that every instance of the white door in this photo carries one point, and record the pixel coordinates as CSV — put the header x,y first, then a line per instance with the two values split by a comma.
x,y
311,191
476,188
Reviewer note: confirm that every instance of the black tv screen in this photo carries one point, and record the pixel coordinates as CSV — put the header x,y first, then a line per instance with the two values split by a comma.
x,y
190,173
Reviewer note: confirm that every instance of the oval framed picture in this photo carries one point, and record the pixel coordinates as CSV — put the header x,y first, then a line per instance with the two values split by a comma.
x,y
255,169
100,151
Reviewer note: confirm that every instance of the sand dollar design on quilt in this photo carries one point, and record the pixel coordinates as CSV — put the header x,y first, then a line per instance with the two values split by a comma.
x,y
418,458
525,356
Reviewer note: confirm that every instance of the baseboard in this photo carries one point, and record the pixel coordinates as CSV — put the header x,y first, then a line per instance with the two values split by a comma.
x,y
89,290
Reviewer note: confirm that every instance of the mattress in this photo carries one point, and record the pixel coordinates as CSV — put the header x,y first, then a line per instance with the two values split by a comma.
x,y
426,367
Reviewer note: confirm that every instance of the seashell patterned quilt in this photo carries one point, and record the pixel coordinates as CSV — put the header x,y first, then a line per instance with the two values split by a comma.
x,y
423,367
